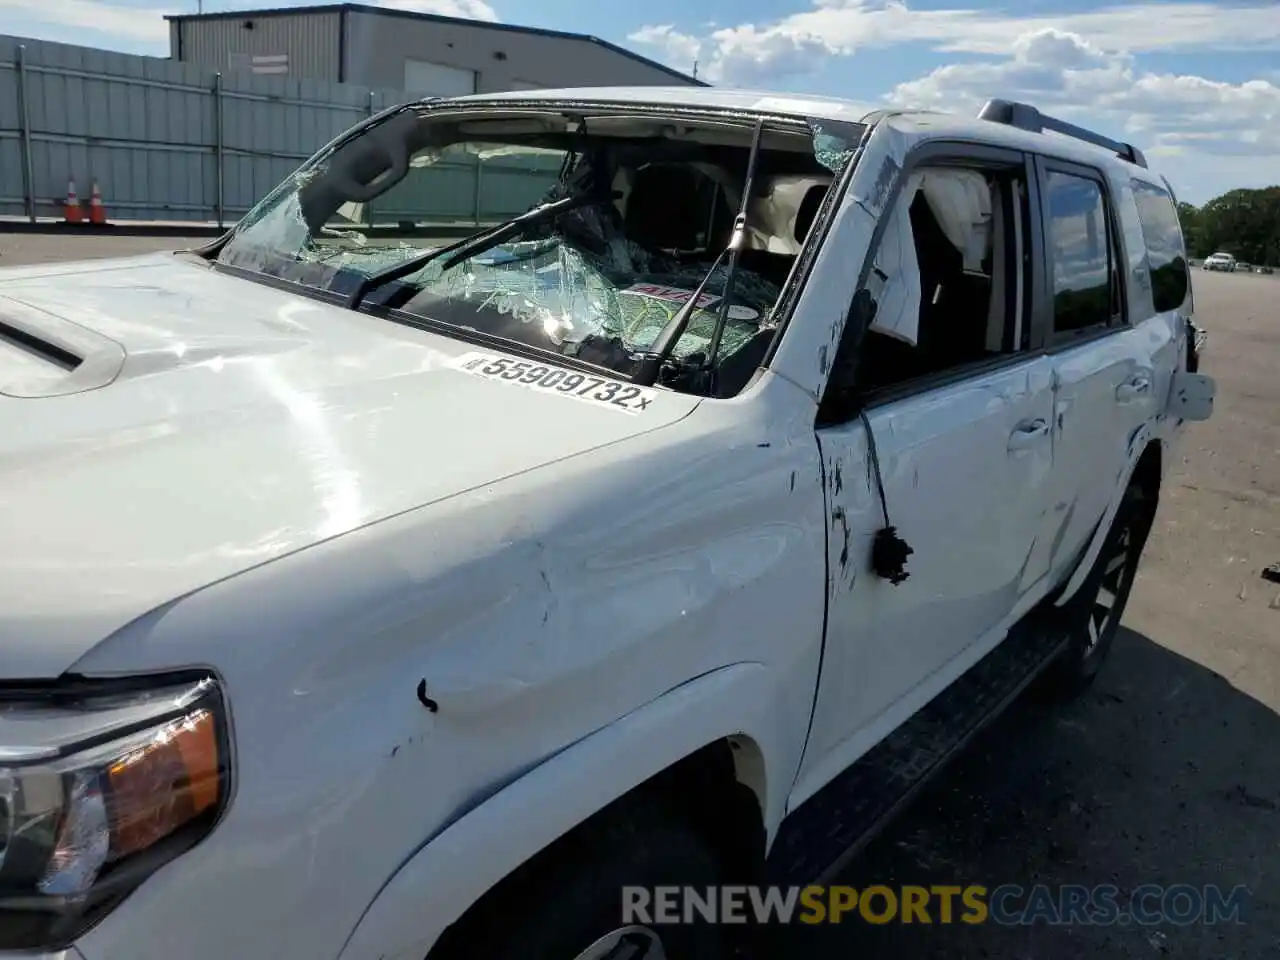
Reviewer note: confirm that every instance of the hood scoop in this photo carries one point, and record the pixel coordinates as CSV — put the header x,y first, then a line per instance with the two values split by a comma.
x,y
43,355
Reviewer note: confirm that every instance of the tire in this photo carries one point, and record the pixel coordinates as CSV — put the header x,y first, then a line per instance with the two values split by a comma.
x,y
1090,620
566,904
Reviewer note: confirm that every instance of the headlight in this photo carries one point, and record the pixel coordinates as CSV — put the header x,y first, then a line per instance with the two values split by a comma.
x,y
99,787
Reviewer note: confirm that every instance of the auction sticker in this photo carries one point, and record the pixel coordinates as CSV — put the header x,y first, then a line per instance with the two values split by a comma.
x,y
548,378
706,301
660,291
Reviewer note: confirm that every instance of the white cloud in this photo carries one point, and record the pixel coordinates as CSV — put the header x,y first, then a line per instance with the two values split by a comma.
x,y
678,49
1067,74
467,9
131,23
1083,66
748,55
1049,66
743,53
1210,126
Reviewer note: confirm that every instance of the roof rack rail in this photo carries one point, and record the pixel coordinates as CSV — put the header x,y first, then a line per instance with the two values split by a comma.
x,y
1026,117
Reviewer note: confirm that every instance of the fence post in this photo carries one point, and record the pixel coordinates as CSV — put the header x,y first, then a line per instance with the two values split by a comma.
x,y
217,147
368,206
24,118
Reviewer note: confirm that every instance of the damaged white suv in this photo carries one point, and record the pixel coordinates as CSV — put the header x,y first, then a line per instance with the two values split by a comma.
x,y
372,595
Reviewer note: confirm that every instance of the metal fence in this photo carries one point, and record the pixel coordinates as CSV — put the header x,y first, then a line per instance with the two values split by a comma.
x,y
172,141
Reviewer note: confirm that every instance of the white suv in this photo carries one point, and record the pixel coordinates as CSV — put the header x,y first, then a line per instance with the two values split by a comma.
x,y
368,596
1220,261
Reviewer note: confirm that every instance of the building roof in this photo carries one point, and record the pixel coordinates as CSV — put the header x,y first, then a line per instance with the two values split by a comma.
x,y
436,18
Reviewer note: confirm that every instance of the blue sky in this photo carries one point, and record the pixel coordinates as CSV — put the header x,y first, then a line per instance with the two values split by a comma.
x,y
1196,84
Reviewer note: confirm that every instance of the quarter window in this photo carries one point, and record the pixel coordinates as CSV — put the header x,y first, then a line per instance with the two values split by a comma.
x,y
1081,254
1165,253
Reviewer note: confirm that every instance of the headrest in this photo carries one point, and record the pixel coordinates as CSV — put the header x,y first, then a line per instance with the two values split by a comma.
x,y
659,204
808,211
781,216
960,201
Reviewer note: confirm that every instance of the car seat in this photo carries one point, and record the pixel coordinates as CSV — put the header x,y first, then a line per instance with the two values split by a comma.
x,y
778,223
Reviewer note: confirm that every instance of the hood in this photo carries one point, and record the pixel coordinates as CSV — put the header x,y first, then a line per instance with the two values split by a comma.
x,y
164,426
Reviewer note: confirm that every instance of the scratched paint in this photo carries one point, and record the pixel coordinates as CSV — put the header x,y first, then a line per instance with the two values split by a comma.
x,y
537,607
586,602
805,355
878,195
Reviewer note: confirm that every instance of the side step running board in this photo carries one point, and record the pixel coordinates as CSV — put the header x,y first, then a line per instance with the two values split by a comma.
x,y
829,830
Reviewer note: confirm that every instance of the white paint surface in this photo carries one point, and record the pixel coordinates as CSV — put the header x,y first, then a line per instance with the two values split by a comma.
x,y
319,507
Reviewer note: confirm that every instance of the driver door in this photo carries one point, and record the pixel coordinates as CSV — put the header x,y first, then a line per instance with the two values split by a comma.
x,y
962,433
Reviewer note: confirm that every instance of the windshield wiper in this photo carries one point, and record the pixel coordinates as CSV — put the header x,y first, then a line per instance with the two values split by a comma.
x,y
470,246
664,344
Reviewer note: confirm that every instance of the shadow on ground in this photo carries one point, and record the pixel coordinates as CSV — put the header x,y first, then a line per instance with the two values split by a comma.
x,y
1163,773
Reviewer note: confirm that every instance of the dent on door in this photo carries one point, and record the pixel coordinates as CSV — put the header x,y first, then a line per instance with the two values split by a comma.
x,y
965,471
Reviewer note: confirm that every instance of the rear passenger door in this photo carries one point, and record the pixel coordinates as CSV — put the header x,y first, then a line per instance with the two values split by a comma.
x,y
1103,382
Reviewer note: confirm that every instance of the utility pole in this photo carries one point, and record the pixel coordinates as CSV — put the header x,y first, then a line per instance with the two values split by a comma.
x,y
695,68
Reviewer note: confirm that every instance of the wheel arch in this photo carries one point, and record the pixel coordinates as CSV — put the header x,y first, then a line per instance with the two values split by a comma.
x,y
702,789
1148,471
694,750
1146,466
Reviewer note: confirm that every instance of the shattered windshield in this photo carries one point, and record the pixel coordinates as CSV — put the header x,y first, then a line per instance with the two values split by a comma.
x,y
654,202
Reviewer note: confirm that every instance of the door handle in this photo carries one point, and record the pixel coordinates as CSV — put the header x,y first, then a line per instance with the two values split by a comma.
x,y
1028,433
1133,388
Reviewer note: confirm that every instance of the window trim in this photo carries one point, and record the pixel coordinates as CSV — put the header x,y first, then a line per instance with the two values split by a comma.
x,y
940,153
1045,337
929,382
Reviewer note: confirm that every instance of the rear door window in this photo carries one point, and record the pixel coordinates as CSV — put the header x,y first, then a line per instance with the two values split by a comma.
x,y
1082,256
1165,250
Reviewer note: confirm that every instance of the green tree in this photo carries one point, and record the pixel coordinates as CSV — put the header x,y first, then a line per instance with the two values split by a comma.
x,y
1189,217
1243,223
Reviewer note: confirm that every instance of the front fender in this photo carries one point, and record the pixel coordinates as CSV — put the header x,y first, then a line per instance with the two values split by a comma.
x,y
437,884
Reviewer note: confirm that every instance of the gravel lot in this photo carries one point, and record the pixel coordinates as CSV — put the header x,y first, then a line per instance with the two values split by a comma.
x,y
1168,770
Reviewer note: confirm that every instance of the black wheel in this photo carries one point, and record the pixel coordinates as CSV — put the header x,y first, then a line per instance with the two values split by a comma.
x,y
567,904
1091,618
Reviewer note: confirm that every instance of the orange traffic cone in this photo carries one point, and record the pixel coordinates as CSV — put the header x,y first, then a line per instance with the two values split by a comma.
x,y
97,212
71,212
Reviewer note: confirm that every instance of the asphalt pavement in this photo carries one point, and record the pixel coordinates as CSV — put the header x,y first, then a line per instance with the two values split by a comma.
x,y
1167,771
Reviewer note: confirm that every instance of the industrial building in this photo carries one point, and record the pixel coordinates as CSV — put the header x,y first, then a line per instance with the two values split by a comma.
x,y
424,54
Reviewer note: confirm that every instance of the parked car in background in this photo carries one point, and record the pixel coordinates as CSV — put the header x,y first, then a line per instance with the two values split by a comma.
x,y
1220,261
